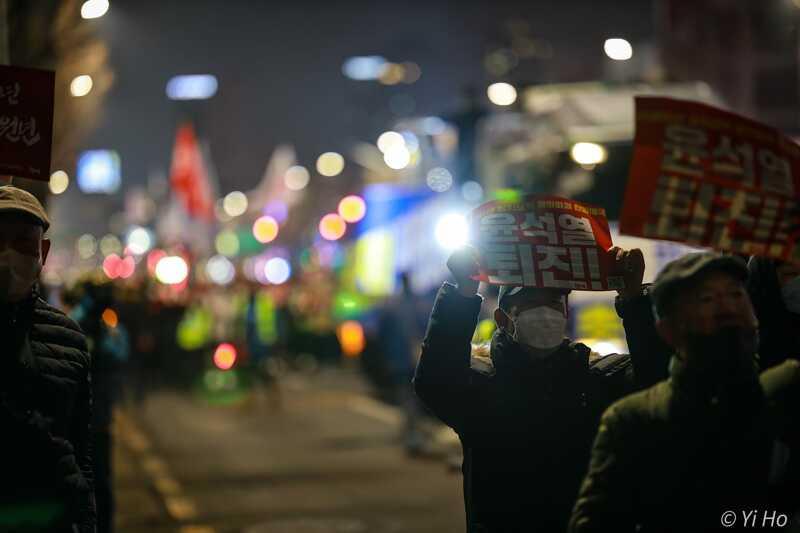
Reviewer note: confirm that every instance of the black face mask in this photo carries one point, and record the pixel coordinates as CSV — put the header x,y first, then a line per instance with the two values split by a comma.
x,y
727,355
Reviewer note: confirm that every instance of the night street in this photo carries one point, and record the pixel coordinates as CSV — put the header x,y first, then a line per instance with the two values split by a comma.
x,y
329,461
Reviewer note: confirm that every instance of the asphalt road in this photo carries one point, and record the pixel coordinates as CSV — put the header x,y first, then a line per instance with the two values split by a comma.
x,y
328,459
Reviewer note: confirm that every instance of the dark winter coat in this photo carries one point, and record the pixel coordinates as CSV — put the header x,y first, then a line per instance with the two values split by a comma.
x,y
45,410
526,426
678,455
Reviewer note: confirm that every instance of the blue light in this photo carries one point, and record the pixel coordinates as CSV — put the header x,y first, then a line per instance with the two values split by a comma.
x,y
192,87
99,171
364,67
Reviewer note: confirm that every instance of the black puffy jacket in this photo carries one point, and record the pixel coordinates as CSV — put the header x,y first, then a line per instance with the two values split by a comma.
x,y
45,410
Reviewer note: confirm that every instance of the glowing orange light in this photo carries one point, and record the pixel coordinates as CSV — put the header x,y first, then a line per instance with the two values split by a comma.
x,y
351,337
225,356
332,227
110,318
352,208
265,229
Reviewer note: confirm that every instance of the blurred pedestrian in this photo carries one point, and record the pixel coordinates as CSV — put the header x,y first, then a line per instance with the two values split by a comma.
x,y
92,307
774,288
45,390
527,411
701,448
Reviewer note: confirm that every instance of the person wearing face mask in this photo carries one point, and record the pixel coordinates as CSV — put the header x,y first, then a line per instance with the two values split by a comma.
x,y
774,288
526,413
45,395
698,451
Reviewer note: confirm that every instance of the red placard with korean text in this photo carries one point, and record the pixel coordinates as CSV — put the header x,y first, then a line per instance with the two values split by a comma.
x,y
544,241
26,121
711,178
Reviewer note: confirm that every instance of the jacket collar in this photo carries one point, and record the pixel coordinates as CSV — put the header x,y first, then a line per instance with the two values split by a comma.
x,y
507,354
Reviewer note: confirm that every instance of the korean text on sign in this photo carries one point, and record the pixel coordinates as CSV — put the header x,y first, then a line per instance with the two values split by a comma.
x,y
544,241
707,177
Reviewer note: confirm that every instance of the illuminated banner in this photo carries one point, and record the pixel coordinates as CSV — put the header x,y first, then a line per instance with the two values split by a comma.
x,y
544,241
710,178
26,122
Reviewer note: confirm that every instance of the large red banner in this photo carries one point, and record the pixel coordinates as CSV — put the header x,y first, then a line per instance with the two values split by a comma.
x,y
26,122
707,177
544,241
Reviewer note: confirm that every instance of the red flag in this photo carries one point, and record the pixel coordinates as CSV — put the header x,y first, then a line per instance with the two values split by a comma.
x,y
189,176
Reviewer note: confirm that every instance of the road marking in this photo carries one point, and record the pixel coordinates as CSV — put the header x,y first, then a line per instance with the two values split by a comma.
x,y
374,409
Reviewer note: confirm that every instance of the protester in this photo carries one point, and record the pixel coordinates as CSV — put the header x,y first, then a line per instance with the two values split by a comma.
x,y
697,451
45,393
526,414
774,288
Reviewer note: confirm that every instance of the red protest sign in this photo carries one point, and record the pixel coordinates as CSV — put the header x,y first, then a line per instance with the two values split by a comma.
x,y
711,178
26,121
544,241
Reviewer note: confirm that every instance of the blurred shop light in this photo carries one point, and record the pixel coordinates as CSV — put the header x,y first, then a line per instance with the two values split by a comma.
x,y
87,246
332,227
392,74
81,85
192,87
276,209
265,229
99,171
235,204
433,126
153,258
502,94
296,178
227,243
140,240
472,192
110,318
110,244
116,267
452,231
351,338
588,153
59,181
92,9
363,68
411,72
389,140
220,270
172,270
439,179
507,195
352,208
277,270
330,164
225,356
397,158
618,49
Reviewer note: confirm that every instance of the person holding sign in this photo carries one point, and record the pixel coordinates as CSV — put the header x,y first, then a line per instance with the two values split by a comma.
x,y
45,395
698,452
526,414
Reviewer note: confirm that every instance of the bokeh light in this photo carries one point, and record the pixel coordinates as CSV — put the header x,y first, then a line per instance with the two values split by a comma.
x,y
472,191
110,318
227,243
225,356
81,85
296,178
389,140
172,270
363,68
277,210
59,181
452,231
352,208
332,227
330,164
220,270
265,229
618,49
87,246
585,153
439,179
116,267
397,158
392,74
153,258
351,338
411,73
235,203
502,94
140,240
277,270
92,9
110,244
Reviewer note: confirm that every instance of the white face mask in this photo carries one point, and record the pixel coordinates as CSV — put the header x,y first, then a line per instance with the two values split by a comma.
x,y
541,328
791,295
18,273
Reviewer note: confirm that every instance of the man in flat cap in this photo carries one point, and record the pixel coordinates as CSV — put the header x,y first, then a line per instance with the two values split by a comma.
x,y
702,450
45,398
